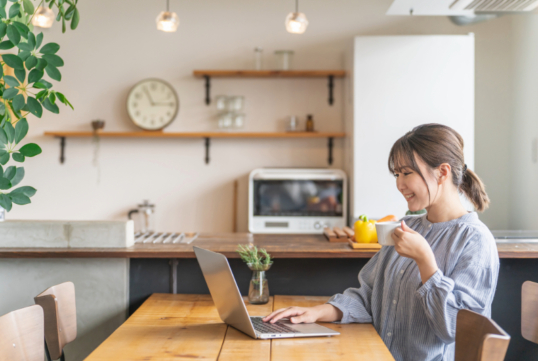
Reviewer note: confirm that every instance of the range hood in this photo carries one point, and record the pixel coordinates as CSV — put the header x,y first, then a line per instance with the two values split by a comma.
x,y
468,8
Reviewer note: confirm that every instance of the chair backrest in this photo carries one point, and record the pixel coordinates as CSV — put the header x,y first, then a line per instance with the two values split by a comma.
x,y
529,311
60,312
479,339
21,335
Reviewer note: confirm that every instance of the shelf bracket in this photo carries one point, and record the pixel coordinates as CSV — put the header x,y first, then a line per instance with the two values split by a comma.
x,y
173,275
62,150
207,89
330,146
207,145
331,88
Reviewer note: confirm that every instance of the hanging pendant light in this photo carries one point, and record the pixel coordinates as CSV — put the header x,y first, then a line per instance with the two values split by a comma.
x,y
296,22
43,17
167,21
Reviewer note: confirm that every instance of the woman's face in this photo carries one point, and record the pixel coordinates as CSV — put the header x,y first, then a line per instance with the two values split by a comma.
x,y
413,187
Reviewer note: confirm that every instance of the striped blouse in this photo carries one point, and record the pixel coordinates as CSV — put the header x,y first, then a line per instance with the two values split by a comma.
x,y
418,321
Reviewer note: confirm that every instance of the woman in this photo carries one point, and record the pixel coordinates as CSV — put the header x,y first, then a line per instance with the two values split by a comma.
x,y
442,262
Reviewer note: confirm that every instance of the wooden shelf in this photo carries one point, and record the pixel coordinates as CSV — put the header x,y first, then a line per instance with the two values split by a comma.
x,y
208,74
269,73
203,135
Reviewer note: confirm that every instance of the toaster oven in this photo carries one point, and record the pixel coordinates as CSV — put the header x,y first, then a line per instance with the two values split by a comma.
x,y
296,200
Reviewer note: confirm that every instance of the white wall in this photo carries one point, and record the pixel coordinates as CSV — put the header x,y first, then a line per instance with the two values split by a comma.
x,y
117,45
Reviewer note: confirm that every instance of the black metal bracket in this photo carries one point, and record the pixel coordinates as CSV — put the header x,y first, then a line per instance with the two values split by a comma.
x,y
207,89
62,150
331,89
207,145
173,275
330,145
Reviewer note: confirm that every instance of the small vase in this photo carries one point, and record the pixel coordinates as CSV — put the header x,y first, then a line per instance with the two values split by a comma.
x,y
258,292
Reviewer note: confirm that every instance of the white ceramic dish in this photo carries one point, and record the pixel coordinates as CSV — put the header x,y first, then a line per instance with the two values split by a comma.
x,y
384,232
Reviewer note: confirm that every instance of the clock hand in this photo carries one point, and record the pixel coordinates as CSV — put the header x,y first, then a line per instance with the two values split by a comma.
x,y
149,96
163,103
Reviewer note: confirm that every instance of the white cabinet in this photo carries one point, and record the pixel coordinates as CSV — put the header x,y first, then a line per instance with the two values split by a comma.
x,y
395,84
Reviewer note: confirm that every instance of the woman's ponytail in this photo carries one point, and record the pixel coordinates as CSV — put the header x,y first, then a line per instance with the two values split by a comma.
x,y
474,189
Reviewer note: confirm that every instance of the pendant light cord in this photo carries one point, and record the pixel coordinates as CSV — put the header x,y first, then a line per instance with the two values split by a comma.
x,y
296,6
167,6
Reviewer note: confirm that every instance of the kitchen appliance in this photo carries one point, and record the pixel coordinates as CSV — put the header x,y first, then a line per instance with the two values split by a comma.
x,y
296,200
146,217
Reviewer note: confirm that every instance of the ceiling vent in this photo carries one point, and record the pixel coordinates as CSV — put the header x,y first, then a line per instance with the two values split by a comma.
x,y
460,7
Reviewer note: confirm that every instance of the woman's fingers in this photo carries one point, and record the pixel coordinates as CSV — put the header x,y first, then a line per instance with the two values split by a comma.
x,y
294,311
272,314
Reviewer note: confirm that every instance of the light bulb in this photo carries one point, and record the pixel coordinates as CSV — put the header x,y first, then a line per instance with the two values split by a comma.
x,y
43,17
296,23
167,21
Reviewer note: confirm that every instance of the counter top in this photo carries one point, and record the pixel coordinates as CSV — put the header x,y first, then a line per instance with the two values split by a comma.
x,y
279,246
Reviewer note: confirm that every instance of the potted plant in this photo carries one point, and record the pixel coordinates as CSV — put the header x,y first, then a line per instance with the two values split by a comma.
x,y
259,261
24,91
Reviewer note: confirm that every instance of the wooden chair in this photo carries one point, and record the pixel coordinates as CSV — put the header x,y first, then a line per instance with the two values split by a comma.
x,y
479,339
529,311
21,335
59,308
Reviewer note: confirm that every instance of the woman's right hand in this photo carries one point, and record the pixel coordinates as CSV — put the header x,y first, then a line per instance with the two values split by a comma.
x,y
324,313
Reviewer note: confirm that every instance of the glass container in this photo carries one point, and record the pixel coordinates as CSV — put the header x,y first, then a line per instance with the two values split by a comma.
x,y
296,23
225,120
258,292
283,59
43,17
221,103
258,58
292,123
146,216
236,103
167,21
238,120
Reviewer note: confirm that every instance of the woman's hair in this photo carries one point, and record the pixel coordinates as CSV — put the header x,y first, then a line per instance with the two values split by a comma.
x,y
436,144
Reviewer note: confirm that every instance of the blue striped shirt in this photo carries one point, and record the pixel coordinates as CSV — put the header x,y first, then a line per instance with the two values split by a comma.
x,y
418,321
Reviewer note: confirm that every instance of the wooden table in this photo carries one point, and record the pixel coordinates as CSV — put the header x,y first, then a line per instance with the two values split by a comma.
x,y
187,327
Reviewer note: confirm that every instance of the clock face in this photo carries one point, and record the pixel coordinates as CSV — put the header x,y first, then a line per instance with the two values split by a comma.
x,y
152,104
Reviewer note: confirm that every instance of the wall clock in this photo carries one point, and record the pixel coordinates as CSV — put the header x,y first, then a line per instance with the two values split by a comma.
x,y
152,104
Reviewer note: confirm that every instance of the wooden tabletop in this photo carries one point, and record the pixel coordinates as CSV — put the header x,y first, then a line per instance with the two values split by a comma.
x,y
186,327
279,246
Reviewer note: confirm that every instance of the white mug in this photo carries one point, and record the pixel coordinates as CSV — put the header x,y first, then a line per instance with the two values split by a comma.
x,y
384,232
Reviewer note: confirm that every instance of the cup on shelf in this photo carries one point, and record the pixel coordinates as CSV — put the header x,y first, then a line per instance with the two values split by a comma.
x,y
221,103
292,123
238,120
283,59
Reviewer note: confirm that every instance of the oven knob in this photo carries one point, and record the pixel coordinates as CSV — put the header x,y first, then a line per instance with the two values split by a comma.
x,y
317,225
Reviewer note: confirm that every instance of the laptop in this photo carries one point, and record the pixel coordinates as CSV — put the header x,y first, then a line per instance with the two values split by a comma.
x,y
232,309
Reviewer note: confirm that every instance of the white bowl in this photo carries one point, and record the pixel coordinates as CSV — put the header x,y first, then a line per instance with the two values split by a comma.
x,y
384,232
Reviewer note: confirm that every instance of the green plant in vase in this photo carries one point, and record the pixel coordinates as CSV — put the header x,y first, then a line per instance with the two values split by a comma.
x,y
259,261
24,91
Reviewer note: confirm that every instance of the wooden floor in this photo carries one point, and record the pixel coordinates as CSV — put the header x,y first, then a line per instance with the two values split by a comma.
x,y
187,327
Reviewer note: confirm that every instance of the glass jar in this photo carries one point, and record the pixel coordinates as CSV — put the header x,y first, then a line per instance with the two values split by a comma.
x,y
258,58
258,291
283,59
238,120
225,120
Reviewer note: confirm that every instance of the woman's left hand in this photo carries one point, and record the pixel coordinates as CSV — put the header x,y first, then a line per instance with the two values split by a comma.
x,y
411,244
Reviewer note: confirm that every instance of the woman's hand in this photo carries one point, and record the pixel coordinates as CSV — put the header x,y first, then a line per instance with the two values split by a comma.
x,y
324,313
411,244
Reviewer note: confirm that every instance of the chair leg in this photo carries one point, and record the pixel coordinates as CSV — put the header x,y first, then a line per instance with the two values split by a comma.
x,y
47,353
62,358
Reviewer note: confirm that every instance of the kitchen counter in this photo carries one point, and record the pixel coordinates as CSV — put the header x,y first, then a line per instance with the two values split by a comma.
x,y
279,246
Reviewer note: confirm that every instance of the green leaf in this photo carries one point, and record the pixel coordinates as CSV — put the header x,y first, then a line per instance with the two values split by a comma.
x,y
1,171
53,72
5,202
2,108
13,34
23,29
21,129
6,45
3,14
28,6
14,10
31,40
50,48
41,64
76,20
34,76
18,102
31,61
64,100
64,28
30,150
41,94
24,55
26,190
18,157
3,30
20,74
11,81
51,107
52,98
5,183
53,60
69,13
19,175
4,158
10,93
19,199
10,172
10,132
25,46
3,137
39,40
34,107
13,61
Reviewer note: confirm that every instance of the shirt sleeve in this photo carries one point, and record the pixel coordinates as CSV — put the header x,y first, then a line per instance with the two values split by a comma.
x,y
355,303
470,286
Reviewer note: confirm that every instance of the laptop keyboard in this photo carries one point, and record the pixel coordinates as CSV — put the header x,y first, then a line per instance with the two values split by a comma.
x,y
276,327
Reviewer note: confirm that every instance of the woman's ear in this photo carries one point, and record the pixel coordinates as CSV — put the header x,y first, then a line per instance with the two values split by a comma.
x,y
445,170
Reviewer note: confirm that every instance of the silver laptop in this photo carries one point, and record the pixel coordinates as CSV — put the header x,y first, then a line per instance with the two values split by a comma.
x,y
232,310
